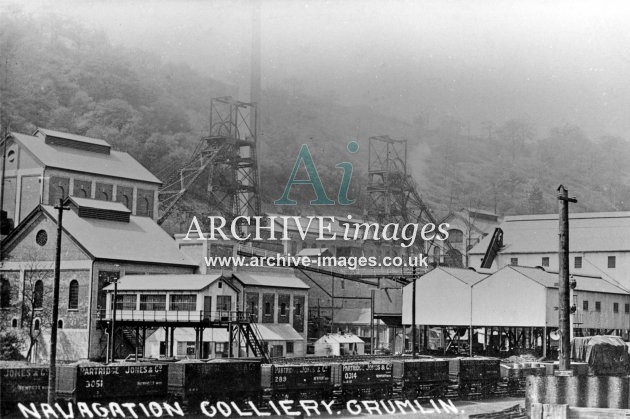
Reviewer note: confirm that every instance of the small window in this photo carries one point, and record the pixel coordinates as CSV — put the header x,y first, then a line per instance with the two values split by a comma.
x,y
585,305
41,237
14,323
38,295
283,309
267,309
11,156
36,324
289,347
598,306
220,284
612,261
577,262
627,308
5,293
73,295
615,307
514,261
298,309
545,261
60,324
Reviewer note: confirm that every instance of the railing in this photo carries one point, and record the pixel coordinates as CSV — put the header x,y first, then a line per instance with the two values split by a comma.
x,y
176,316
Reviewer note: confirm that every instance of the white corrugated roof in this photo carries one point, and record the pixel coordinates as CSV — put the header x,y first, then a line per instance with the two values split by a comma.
x,y
468,276
550,279
268,331
139,240
589,232
172,282
340,338
270,279
116,164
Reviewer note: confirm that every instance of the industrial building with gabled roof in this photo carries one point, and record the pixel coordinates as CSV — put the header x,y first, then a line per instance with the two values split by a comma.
x,y
101,241
49,165
516,304
599,244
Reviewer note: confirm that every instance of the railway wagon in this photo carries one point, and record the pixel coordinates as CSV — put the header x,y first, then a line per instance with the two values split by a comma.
x,y
298,381
113,382
22,384
366,379
479,375
218,379
425,377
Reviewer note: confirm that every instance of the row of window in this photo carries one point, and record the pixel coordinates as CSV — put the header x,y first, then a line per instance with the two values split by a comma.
x,y
38,294
178,302
598,307
36,323
83,189
577,262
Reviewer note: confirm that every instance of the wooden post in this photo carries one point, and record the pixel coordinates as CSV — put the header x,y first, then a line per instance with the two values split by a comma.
x,y
564,302
544,339
172,341
52,373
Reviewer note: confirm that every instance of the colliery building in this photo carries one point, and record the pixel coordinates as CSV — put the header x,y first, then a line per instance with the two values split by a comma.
x,y
598,245
48,165
513,309
101,241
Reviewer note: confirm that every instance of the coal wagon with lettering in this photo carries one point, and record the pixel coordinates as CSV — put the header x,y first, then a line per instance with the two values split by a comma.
x,y
113,382
475,376
22,384
421,377
298,381
363,379
217,379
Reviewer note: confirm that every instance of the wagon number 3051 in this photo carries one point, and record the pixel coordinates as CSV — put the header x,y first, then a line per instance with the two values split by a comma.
x,y
94,384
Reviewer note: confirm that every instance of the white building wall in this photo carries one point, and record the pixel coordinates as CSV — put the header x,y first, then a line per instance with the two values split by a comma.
x,y
509,299
441,300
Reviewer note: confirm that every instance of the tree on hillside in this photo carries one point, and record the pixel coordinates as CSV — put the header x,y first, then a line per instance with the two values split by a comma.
x,y
515,133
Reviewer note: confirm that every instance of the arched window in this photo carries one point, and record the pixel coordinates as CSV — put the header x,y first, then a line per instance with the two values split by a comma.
x,y
38,295
143,207
5,293
437,254
455,236
36,324
103,196
83,193
14,323
125,201
73,295
60,324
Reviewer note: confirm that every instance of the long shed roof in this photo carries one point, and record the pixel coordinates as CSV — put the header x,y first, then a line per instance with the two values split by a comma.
x,y
589,232
115,164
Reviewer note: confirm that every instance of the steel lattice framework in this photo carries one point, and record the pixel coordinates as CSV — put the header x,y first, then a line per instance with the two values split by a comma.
x,y
393,194
228,156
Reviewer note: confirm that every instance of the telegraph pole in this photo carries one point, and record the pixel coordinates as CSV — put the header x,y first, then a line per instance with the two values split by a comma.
x,y
563,280
52,374
414,333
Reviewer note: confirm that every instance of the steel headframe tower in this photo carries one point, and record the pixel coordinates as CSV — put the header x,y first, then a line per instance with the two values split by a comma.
x,y
228,155
393,194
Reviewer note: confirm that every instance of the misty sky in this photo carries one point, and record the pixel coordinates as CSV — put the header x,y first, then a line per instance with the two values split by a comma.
x,y
548,62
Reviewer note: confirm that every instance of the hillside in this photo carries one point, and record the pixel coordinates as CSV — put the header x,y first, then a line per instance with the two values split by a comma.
x,y
66,77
